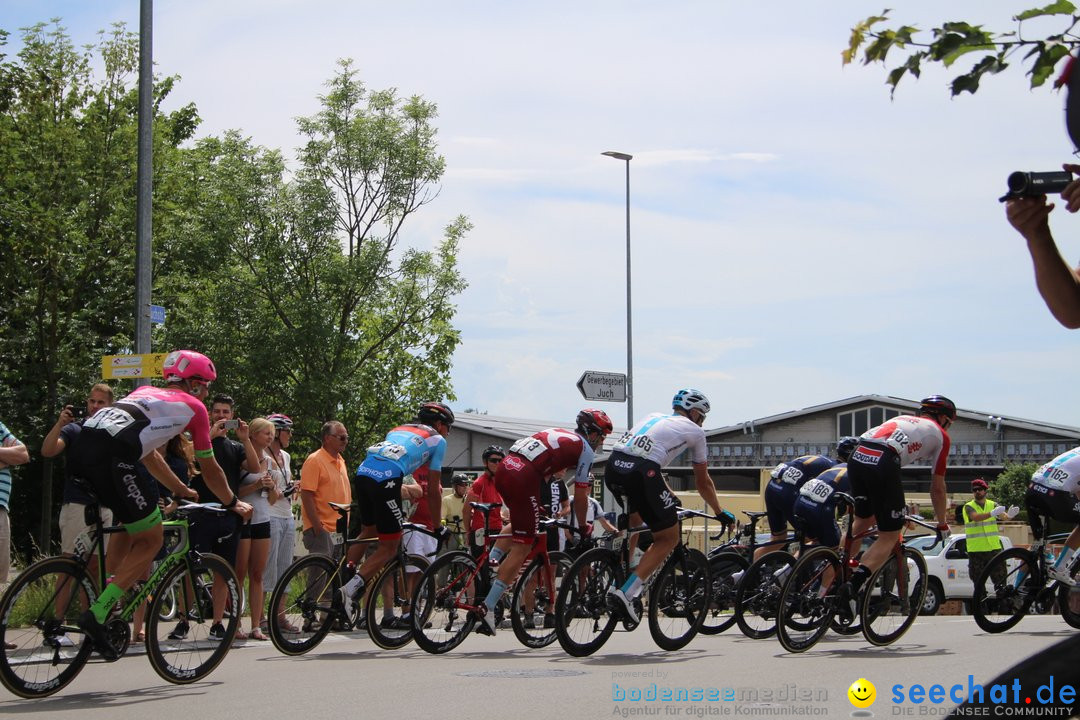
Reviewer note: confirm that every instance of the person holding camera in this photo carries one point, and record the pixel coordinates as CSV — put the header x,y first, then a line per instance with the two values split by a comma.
x,y
260,489
282,520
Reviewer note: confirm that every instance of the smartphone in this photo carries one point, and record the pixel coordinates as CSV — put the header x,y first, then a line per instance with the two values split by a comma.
x,y
77,411
231,424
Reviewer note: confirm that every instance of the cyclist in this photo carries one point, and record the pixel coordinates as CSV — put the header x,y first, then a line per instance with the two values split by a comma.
x,y
1054,491
814,510
518,478
114,440
633,476
483,491
874,472
421,443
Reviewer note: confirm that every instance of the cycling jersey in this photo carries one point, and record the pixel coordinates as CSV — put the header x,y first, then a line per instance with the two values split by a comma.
x,y
150,416
406,448
814,511
554,450
1062,473
661,436
915,439
782,490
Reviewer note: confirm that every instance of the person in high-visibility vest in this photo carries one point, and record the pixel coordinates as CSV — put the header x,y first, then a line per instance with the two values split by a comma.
x,y
980,524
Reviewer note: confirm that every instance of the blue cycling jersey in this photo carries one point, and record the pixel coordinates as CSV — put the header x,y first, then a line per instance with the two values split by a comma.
x,y
405,449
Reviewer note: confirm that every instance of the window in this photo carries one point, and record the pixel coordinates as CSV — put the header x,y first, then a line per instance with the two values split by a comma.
x,y
856,422
767,450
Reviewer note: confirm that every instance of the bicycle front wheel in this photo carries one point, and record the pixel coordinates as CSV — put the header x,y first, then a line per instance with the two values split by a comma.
x,y
721,612
1068,613
1005,590
389,602
39,613
532,609
758,596
679,598
206,590
441,602
893,597
808,599
583,622
302,606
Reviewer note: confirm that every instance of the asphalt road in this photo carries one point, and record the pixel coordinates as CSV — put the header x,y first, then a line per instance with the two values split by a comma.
x,y
348,677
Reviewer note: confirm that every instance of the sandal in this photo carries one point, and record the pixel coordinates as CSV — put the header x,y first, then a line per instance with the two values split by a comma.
x,y
139,639
240,635
287,626
257,634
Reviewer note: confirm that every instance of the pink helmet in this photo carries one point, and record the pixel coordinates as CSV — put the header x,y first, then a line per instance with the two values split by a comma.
x,y
185,364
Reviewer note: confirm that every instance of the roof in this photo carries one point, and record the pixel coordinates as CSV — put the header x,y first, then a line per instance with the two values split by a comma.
x,y
514,428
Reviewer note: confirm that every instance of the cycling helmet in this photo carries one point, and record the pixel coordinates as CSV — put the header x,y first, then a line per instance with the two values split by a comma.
x,y
845,447
938,405
691,399
461,479
188,364
979,484
281,422
589,420
493,450
432,412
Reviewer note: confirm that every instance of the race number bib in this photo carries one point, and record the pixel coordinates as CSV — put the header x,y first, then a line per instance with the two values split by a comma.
x,y
388,450
639,445
111,419
816,490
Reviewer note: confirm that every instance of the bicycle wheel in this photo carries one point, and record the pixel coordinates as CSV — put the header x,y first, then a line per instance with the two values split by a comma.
x,y
679,598
441,602
303,605
998,605
187,656
808,599
389,602
38,612
583,622
892,597
721,613
532,609
1071,616
758,595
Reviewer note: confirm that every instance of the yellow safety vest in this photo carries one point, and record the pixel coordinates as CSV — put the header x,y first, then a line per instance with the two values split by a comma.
x,y
982,536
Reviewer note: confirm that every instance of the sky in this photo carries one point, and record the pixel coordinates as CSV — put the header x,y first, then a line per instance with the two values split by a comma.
x,y
797,236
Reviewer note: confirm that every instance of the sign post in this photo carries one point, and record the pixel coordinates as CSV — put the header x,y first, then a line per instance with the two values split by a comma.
x,y
132,366
603,386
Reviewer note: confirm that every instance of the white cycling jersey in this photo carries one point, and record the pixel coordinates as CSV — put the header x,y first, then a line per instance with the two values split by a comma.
x,y
1061,473
660,437
915,439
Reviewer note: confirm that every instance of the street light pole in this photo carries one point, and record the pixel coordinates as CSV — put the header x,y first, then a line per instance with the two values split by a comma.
x,y
629,324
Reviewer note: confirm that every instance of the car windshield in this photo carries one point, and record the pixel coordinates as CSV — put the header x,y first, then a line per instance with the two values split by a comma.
x,y
926,544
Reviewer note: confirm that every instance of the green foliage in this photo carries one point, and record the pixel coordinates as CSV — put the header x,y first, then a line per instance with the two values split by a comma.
x,y
1009,487
953,40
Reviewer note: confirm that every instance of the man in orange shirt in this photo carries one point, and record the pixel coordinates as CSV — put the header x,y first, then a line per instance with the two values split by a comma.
x,y
324,479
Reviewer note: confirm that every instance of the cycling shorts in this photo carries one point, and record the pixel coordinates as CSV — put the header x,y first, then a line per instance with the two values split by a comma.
x,y
816,521
379,504
1043,501
874,471
639,487
519,484
779,500
109,465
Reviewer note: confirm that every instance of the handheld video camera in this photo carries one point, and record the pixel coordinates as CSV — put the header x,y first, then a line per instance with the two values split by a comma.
x,y
1033,184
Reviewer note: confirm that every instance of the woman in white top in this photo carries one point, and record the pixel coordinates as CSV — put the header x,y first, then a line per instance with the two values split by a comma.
x,y
260,490
282,520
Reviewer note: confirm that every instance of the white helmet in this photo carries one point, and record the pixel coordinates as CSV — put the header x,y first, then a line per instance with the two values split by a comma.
x,y
691,399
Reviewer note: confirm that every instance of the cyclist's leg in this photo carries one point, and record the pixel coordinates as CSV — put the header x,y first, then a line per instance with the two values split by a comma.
x,y
648,495
778,499
379,502
519,487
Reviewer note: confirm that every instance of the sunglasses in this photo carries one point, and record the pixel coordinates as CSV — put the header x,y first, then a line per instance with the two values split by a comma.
x,y
342,438
494,460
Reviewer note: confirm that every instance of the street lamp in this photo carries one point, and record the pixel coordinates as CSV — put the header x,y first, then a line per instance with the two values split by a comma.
x,y
629,324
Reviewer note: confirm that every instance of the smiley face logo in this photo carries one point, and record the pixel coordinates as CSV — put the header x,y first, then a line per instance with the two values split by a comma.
x,y
862,693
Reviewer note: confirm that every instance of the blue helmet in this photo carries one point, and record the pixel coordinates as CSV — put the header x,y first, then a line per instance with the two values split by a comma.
x,y
845,447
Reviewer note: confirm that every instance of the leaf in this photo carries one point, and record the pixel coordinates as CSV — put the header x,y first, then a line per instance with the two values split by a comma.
x,y
858,35
1061,7
952,57
1045,63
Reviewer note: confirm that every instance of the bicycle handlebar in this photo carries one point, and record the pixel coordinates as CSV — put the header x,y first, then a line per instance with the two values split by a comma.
x,y
186,506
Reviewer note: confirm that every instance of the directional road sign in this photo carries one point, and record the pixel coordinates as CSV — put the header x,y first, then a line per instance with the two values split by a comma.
x,y
132,366
605,386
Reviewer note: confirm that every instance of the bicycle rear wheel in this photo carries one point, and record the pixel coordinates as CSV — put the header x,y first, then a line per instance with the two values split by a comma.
x,y
185,657
721,613
1071,616
39,613
758,596
532,610
303,605
679,598
441,602
893,597
583,622
389,602
808,599
999,604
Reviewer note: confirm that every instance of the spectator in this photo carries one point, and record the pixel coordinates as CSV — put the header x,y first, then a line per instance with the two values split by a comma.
x,y
65,434
260,490
980,525
453,510
282,520
596,521
483,491
324,479
12,452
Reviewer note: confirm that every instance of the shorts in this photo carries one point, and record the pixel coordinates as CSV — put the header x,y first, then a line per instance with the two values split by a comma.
x,y
109,465
1043,501
779,501
379,504
418,543
73,524
255,531
218,534
519,484
639,487
874,471
816,521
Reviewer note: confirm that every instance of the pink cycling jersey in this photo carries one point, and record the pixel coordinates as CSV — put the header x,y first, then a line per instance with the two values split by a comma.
x,y
151,416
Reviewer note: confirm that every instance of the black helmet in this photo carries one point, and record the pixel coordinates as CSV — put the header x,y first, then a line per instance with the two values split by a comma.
x,y
938,405
432,412
845,446
461,479
493,450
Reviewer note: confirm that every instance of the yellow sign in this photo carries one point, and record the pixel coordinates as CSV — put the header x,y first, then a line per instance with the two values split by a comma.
x,y
132,366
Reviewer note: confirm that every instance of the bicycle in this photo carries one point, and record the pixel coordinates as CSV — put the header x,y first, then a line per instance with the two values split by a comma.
x,y
310,605
887,604
41,607
678,595
1015,581
449,598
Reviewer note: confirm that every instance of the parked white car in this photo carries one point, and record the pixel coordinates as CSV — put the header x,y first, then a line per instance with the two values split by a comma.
x,y
947,565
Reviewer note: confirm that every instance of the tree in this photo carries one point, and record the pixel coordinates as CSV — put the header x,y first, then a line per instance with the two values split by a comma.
x,y
1010,486
952,41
